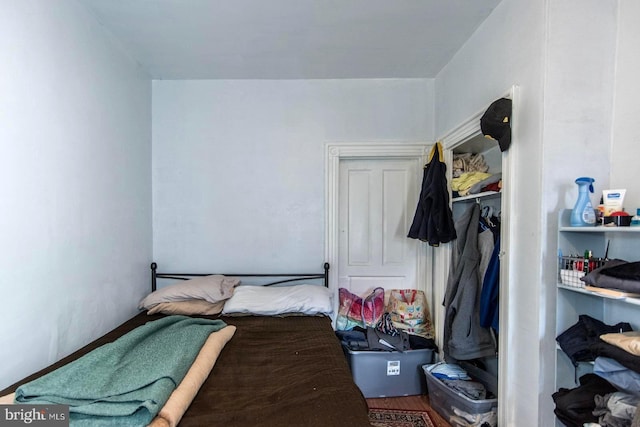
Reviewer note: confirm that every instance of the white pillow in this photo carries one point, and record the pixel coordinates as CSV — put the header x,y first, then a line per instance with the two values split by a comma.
x,y
270,300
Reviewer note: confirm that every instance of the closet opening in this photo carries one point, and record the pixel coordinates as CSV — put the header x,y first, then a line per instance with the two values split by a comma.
x,y
478,175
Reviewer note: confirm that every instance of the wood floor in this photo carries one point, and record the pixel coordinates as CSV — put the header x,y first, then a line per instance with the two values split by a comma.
x,y
415,403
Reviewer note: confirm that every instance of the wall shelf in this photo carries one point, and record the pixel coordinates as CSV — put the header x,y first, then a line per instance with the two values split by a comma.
x,y
573,301
628,300
599,229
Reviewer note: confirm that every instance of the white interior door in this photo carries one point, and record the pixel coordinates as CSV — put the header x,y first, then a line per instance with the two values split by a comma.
x,y
376,204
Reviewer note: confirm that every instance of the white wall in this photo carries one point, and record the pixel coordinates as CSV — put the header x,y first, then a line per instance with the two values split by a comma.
x,y
579,89
626,120
75,183
238,165
562,63
508,49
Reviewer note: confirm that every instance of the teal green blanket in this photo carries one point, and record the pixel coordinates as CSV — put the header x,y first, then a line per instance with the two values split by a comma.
x,y
126,382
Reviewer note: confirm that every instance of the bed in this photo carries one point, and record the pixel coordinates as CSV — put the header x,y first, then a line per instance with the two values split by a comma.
x,y
284,369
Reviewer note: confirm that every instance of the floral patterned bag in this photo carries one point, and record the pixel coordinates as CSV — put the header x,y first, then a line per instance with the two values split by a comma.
x,y
410,312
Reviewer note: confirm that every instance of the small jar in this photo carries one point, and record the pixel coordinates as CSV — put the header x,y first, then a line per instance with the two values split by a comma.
x,y
635,221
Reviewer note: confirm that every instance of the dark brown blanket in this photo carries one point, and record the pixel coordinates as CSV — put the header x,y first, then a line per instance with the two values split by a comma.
x,y
274,372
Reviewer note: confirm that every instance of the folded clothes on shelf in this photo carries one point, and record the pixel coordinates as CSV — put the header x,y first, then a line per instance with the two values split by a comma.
x,y
616,274
577,340
628,341
623,378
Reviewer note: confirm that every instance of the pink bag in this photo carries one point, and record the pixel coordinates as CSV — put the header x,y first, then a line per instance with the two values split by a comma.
x,y
357,311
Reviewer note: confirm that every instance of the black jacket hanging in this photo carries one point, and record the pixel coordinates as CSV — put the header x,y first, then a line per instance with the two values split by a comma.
x,y
433,220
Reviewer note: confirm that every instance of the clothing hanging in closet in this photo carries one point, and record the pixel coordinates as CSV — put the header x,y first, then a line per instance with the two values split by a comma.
x,y
464,338
489,295
490,291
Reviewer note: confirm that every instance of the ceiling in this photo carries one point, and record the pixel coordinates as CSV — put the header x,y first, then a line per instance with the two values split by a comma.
x,y
291,39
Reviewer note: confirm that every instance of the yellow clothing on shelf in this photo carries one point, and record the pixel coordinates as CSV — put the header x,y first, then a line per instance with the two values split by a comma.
x,y
466,181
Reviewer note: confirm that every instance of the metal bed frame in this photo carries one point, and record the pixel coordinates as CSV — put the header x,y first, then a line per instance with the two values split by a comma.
x,y
286,278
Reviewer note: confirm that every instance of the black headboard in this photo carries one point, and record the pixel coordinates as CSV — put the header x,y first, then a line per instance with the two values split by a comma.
x,y
280,278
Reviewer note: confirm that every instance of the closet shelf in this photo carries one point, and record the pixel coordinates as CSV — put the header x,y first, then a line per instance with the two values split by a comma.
x,y
483,195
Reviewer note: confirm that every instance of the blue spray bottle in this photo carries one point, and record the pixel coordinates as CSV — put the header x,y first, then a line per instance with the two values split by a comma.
x,y
583,214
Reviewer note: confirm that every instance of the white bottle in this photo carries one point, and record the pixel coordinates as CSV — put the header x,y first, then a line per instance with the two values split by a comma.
x,y
635,221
